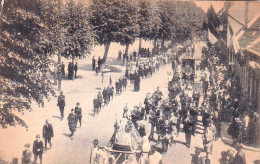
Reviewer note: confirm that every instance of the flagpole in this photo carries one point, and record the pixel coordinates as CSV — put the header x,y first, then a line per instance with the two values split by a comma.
x,y
1,17
228,56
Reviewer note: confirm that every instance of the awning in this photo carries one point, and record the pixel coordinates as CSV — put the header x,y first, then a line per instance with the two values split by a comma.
x,y
254,65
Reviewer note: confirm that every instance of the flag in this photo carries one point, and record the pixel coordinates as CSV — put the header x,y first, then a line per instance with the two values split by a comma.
x,y
2,3
205,24
213,21
229,40
235,43
211,37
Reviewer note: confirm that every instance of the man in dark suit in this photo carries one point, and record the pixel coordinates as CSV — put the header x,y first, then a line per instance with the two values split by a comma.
x,y
62,69
72,122
61,104
78,112
37,149
47,133
158,95
100,100
76,69
93,63
134,55
187,128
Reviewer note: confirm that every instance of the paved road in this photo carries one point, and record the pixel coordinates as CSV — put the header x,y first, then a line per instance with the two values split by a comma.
x,y
77,151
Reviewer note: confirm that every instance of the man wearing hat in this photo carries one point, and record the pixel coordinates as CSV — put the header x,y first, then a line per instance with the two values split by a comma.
x,y
100,100
78,112
158,95
61,104
27,154
72,122
93,63
187,128
47,133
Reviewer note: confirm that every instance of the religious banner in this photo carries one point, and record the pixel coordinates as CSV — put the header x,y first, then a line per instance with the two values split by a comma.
x,y
188,69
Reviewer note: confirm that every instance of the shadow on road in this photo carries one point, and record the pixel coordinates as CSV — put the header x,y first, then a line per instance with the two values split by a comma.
x,y
66,134
58,117
176,141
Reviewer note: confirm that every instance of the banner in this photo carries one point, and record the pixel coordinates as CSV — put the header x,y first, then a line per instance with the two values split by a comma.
x,y
188,69
212,38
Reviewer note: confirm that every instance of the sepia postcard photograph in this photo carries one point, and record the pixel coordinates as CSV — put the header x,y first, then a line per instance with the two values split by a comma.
x,y
129,82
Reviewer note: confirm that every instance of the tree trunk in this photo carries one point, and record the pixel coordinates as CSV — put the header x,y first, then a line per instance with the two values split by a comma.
x,y
140,45
59,72
126,53
154,47
107,45
162,44
126,48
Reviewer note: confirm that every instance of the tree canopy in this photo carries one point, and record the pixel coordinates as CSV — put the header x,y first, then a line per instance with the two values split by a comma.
x,y
114,21
145,17
34,31
25,61
78,35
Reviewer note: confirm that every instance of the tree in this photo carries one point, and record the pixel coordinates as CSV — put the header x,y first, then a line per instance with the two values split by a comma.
x,y
145,16
156,24
129,28
25,61
105,18
167,28
114,21
78,35
51,15
188,19
179,20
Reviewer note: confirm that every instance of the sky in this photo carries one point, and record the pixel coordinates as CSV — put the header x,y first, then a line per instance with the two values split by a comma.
x,y
203,4
206,4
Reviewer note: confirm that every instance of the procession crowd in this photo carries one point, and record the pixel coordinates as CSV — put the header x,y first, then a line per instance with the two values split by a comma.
x,y
162,118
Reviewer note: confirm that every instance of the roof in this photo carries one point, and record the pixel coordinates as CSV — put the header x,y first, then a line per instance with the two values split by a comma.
x,y
248,38
256,47
238,11
251,35
253,51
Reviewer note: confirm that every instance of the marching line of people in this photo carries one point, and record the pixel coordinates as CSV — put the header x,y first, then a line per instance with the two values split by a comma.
x,y
142,69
